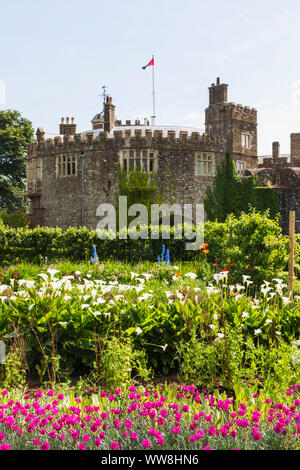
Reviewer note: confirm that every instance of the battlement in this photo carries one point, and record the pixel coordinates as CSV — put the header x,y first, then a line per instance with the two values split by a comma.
x,y
243,113
119,138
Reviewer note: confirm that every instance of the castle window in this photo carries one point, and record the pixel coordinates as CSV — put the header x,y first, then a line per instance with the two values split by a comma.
x,y
245,140
204,164
66,165
138,160
240,168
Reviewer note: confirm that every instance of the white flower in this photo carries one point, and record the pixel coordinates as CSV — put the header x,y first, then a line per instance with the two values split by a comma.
x,y
278,332
220,335
257,332
265,290
191,275
239,296
30,307
147,275
245,277
3,288
245,315
107,314
138,330
286,300
83,306
212,326
52,272
215,316
133,275
268,321
164,347
44,276
239,287
97,313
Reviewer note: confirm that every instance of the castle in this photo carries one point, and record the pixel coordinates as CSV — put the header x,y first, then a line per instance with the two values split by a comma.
x,y
71,174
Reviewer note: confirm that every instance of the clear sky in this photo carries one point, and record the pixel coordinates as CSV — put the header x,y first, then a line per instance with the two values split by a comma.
x,y
57,54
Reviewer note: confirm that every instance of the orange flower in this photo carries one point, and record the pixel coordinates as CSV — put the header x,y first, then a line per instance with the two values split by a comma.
x,y
206,252
203,246
177,274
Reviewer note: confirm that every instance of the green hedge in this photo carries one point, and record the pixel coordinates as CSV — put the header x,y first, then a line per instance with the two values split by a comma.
x,y
249,240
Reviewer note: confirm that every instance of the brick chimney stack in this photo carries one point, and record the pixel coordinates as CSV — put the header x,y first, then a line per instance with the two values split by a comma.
x,y
218,92
109,114
67,129
275,151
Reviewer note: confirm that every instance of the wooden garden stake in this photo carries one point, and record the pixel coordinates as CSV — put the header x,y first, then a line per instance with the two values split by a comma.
x,y
292,250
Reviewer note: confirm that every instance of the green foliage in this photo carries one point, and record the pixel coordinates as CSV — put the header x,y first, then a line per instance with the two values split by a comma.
x,y
119,362
140,188
232,195
147,316
265,198
14,219
252,242
16,133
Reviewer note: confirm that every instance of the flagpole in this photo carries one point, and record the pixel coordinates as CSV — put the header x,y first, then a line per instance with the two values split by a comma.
x,y
153,93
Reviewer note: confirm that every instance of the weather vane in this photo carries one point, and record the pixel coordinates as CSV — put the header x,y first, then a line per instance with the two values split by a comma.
x,y
104,92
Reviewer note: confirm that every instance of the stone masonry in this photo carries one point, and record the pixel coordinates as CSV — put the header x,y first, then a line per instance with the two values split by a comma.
x,y
71,174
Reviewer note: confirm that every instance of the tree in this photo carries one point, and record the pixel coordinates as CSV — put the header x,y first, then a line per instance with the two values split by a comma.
x,y
140,188
232,195
16,133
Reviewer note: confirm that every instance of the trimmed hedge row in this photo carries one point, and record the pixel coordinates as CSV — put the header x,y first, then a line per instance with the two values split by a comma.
x,y
75,244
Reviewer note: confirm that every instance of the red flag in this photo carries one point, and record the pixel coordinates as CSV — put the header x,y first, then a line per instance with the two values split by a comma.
x,y
150,63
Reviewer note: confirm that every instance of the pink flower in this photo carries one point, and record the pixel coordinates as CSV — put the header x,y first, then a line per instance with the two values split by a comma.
x,y
39,394
160,441
50,393
97,442
86,438
185,408
146,443
36,442
114,445
4,447
2,436
134,436
60,396
176,430
81,446
45,446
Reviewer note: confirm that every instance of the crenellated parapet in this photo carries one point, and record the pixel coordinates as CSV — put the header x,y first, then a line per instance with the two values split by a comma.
x,y
244,113
125,138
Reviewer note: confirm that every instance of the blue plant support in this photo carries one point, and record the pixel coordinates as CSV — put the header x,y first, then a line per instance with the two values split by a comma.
x,y
94,258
